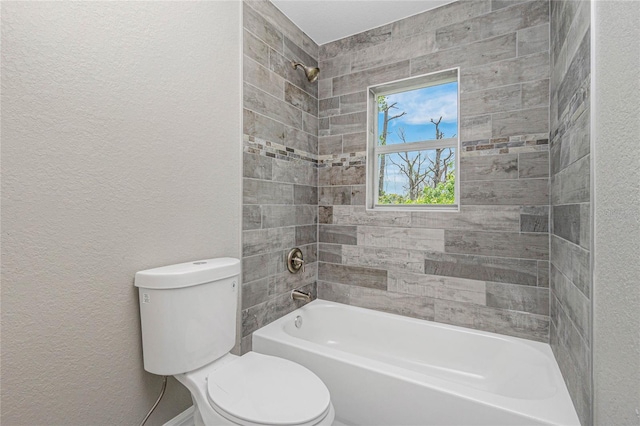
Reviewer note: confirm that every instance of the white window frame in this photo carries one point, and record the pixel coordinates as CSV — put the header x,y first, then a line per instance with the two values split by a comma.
x,y
373,150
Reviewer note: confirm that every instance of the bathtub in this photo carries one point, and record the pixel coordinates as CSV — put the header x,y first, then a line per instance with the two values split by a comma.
x,y
385,369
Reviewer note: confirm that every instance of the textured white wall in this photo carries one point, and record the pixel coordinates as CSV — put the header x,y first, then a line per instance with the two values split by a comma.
x,y
121,150
616,342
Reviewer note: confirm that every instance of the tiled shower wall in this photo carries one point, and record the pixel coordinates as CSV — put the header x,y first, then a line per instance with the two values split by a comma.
x,y
280,165
570,277
485,267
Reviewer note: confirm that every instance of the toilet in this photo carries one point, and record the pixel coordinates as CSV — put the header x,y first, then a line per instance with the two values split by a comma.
x,y
188,319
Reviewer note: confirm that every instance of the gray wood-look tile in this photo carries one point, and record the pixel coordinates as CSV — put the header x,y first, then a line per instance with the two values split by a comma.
x,y
254,48
395,303
518,298
353,275
511,323
329,107
533,164
266,192
330,145
394,50
572,185
337,234
376,257
409,238
475,128
300,99
276,18
356,42
573,262
534,219
342,175
265,104
356,215
257,166
480,53
259,76
353,102
305,194
274,216
573,144
296,54
354,142
493,24
499,4
310,123
330,253
448,14
585,226
535,94
578,71
263,127
307,234
533,40
569,337
261,266
282,66
325,88
484,268
434,286
510,71
334,196
255,23
481,218
573,301
325,214
493,100
566,222
489,167
260,241
505,192
300,172
333,67
526,121
251,217
358,81
543,273
348,123
500,244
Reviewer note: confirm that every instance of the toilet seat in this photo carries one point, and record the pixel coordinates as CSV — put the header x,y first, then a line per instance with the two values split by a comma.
x,y
257,389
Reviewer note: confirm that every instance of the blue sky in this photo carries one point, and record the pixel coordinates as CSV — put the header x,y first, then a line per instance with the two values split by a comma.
x,y
421,106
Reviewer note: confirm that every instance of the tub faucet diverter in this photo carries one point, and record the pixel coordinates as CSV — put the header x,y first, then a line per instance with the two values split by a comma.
x,y
295,261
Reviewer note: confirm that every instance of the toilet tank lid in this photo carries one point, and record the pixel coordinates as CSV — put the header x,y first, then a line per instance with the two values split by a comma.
x,y
188,274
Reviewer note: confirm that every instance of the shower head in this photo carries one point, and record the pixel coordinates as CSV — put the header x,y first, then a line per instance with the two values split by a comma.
x,y
310,72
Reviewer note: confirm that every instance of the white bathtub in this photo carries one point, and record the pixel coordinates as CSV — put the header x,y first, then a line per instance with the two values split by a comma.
x,y
385,369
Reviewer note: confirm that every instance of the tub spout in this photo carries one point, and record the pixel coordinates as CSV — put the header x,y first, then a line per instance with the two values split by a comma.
x,y
300,295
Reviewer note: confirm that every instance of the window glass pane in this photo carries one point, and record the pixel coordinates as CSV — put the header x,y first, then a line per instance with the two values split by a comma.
x,y
417,177
418,115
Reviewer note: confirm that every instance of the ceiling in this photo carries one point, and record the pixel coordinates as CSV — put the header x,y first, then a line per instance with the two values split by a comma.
x,y
329,20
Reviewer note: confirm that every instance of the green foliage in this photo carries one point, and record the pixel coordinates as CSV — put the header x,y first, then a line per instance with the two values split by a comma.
x,y
442,194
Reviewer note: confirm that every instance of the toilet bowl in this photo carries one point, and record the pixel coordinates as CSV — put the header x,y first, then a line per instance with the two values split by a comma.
x,y
257,389
188,320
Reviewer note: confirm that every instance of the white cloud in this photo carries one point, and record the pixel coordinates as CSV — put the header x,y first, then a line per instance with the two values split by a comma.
x,y
423,105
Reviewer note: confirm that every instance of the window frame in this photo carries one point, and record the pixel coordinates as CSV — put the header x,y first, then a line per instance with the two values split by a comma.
x,y
373,150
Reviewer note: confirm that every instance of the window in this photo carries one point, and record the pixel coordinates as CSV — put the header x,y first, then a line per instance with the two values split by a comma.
x,y
413,143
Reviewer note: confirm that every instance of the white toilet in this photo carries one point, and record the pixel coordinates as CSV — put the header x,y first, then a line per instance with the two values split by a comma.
x,y
188,316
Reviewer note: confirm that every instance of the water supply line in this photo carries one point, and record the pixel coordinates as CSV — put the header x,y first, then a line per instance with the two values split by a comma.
x,y
164,387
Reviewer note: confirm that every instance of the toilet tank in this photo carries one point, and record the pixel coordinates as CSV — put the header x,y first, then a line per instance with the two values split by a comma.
x,y
187,314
